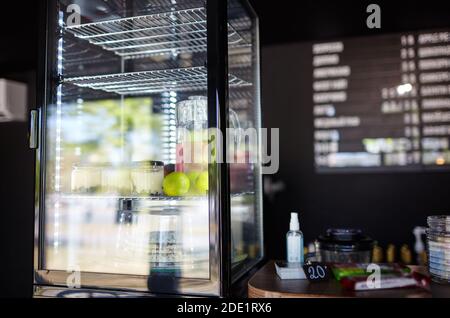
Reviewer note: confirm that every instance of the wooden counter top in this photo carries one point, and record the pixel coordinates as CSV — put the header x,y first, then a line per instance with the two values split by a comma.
x,y
266,284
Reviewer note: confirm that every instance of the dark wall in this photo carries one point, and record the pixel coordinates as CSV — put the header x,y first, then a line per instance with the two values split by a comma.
x,y
18,61
385,205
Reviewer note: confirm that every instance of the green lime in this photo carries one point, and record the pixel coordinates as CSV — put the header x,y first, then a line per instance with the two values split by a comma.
x,y
201,184
176,183
193,175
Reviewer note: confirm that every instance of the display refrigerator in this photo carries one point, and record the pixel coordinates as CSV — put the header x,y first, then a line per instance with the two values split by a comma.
x,y
148,146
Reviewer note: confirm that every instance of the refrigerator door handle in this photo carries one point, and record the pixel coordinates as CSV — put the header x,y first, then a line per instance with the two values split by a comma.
x,y
33,133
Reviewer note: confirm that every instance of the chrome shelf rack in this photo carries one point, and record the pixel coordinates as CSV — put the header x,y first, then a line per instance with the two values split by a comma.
x,y
168,32
150,82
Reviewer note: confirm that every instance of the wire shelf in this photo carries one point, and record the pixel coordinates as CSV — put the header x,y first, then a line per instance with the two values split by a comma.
x,y
169,32
150,82
157,198
136,198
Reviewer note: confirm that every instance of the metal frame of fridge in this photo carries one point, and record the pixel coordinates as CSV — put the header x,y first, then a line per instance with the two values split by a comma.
x,y
52,282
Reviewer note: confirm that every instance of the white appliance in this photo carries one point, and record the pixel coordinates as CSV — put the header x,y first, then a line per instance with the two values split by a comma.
x,y
13,101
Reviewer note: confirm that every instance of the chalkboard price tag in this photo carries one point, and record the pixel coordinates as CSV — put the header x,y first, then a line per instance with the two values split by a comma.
x,y
316,272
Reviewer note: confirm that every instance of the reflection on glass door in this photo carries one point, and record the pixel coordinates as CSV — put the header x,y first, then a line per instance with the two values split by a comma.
x,y
244,144
120,196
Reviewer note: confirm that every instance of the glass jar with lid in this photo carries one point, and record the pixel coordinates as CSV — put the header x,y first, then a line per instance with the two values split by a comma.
x,y
192,134
193,153
345,246
438,248
85,178
147,178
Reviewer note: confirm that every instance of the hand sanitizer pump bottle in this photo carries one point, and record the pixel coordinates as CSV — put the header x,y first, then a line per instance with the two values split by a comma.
x,y
294,241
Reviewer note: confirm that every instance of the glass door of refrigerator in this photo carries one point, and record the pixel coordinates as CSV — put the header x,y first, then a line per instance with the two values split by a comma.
x,y
126,146
244,142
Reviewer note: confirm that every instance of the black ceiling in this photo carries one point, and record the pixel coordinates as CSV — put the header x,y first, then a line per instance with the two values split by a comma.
x,y
303,20
280,21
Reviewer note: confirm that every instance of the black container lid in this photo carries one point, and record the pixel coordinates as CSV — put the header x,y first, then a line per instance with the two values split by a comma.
x,y
148,163
345,240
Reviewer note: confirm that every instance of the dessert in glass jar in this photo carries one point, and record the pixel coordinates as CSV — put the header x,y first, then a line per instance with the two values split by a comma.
x,y
147,178
86,178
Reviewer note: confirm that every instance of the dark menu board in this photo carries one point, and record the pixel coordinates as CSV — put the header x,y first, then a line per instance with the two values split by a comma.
x,y
382,102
